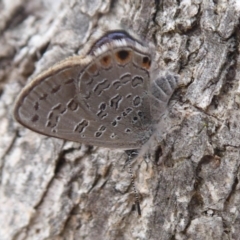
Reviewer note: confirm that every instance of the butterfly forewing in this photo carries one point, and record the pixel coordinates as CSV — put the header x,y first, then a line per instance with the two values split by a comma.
x,y
48,98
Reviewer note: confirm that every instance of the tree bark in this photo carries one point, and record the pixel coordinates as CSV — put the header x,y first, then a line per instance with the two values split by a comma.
x,y
189,186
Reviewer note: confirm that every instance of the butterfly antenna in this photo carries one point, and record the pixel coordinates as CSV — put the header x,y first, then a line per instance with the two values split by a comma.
x,y
131,155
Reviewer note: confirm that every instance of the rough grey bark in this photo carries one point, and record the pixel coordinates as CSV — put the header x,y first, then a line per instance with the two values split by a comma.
x,y
189,188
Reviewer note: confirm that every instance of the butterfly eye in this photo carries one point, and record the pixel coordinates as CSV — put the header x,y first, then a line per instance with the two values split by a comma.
x,y
123,56
146,62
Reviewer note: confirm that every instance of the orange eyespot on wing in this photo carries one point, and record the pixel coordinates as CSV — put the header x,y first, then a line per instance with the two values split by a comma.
x,y
106,61
146,62
123,56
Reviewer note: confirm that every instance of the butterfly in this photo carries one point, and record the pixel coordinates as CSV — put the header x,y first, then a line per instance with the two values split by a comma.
x,y
106,98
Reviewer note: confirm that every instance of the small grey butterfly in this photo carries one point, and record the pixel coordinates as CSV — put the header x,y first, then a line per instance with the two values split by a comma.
x,y
106,98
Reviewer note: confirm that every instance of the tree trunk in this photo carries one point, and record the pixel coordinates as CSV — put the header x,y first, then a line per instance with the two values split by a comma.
x,y
188,187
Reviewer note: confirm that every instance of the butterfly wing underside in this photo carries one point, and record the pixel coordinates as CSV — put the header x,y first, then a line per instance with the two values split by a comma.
x,y
49,97
71,100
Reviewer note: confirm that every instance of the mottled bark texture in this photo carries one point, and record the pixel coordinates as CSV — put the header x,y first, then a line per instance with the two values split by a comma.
x,y
189,187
